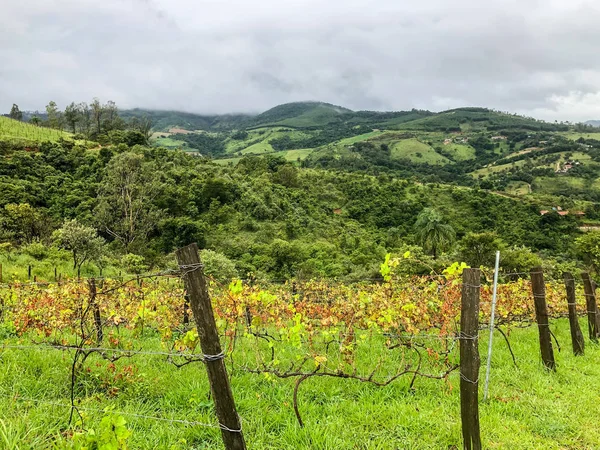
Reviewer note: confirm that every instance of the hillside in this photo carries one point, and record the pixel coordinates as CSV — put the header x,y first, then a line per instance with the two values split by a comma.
x,y
301,115
165,120
15,131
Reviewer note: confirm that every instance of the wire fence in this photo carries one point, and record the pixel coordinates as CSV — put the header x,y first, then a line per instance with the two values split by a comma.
x,y
329,323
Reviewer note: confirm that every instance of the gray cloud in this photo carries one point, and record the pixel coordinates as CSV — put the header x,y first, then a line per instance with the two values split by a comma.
x,y
214,56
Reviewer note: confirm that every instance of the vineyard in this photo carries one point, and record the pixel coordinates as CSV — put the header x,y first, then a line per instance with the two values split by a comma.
x,y
91,361
15,131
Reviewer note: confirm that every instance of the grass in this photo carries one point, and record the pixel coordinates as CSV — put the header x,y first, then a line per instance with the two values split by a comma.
x,y
417,151
359,138
258,140
168,142
459,152
517,188
14,130
574,135
528,407
15,268
258,148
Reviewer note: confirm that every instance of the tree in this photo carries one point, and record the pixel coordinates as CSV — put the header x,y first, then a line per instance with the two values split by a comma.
x,y
432,232
588,248
126,209
15,112
85,117
22,222
35,120
54,115
97,112
479,249
218,266
143,125
72,116
83,242
112,121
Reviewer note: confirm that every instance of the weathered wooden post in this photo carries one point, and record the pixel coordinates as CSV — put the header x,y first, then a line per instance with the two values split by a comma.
x,y
188,259
96,309
469,359
29,272
0,273
55,274
576,334
591,307
541,316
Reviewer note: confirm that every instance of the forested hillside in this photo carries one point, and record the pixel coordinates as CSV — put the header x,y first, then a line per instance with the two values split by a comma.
x,y
301,201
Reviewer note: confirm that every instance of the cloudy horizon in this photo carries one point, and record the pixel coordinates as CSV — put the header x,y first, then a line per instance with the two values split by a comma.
x,y
532,57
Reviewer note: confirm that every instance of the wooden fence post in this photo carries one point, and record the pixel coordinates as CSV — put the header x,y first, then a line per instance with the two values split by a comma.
x,y
469,359
541,316
96,309
576,334
592,308
0,273
29,272
188,259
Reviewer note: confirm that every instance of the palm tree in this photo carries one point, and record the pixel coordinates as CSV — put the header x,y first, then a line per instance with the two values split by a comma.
x,y
433,234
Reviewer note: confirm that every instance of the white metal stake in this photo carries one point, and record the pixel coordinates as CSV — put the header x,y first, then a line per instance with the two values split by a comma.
x,y
489,356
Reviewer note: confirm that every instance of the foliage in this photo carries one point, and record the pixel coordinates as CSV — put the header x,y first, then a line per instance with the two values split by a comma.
x,y
432,231
126,211
588,246
112,434
218,266
134,263
83,242
479,249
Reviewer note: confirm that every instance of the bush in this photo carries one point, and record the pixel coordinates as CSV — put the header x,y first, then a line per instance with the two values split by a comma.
x,y
218,266
134,263
37,250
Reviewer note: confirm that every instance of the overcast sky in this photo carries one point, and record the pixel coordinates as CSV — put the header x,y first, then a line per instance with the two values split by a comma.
x,y
539,58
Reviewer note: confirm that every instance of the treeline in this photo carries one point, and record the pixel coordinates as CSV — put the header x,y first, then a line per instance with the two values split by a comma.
x,y
94,121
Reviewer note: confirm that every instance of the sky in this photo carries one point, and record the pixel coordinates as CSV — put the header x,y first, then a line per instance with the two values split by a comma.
x,y
534,57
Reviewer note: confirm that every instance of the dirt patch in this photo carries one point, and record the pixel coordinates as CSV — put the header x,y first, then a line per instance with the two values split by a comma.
x,y
179,131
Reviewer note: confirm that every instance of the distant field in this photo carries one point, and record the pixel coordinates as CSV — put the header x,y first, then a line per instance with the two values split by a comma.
x,y
576,135
459,152
294,155
258,140
261,147
518,188
553,185
360,138
417,151
24,132
168,142
493,169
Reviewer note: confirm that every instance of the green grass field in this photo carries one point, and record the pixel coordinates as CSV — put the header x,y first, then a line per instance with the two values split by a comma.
x,y
13,130
417,151
529,408
519,188
459,152
168,142
574,135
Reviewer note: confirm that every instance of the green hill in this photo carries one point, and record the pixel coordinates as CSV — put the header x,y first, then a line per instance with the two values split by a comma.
x,y
21,132
472,119
301,115
164,120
